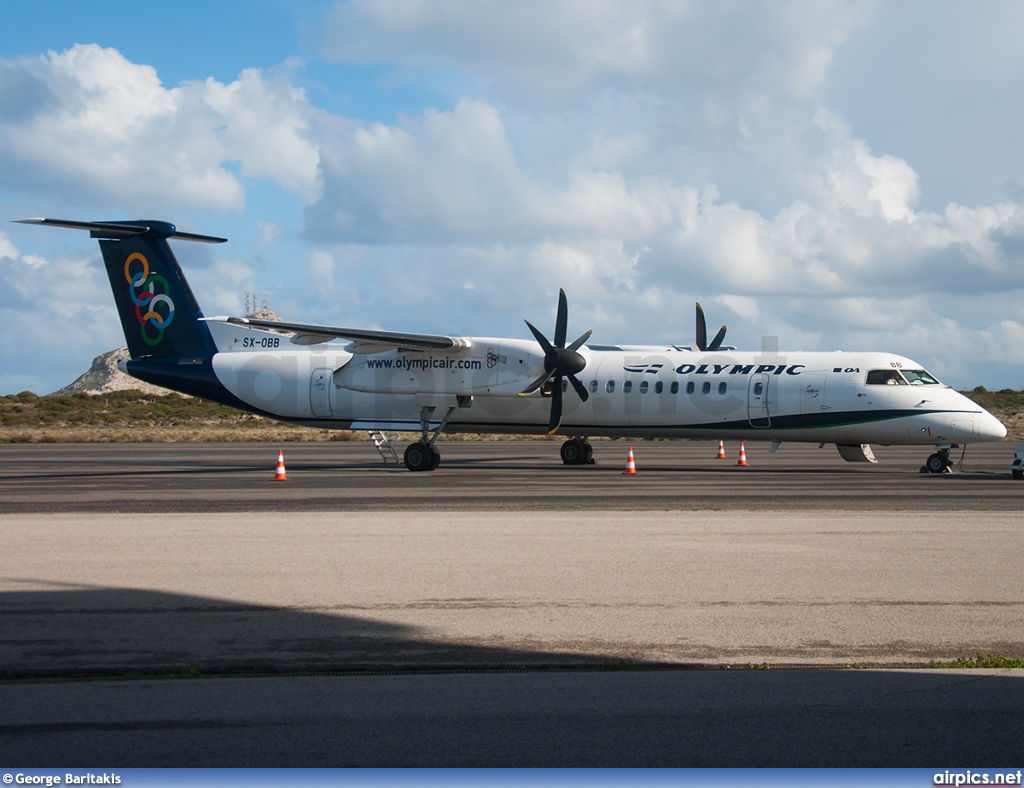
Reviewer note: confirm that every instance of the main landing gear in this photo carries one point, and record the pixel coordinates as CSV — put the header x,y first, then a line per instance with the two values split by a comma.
x,y
938,462
424,455
577,451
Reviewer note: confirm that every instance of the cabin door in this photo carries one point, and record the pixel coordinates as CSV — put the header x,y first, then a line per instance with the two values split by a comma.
x,y
757,401
320,391
812,395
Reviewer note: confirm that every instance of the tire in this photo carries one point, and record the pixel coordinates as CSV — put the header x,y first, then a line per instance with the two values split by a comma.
x,y
573,452
435,458
418,457
936,463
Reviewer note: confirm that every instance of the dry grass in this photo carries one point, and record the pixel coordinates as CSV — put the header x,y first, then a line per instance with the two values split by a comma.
x,y
171,434
272,433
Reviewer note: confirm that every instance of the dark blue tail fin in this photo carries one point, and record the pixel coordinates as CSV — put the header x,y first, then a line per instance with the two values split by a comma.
x,y
168,344
159,313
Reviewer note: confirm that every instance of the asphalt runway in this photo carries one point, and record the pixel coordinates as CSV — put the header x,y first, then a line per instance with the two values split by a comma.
x,y
504,609
491,476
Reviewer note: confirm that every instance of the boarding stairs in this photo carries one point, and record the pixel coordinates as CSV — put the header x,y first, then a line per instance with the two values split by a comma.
x,y
387,451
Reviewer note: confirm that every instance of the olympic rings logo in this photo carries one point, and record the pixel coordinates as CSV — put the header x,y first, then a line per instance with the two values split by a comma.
x,y
144,295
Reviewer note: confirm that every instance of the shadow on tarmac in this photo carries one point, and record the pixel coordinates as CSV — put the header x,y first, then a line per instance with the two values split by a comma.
x,y
531,711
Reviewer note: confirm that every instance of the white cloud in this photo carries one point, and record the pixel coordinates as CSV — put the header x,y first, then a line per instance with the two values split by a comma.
x,y
443,175
51,342
7,249
221,288
105,130
537,50
266,127
107,126
321,268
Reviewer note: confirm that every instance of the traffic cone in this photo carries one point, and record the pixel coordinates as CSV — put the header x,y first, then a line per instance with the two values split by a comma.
x,y
280,476
630,465
743,456
721,450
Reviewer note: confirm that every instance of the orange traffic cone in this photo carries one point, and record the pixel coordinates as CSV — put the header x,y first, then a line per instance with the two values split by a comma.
x,y
630,465
721,450
280,476
743,456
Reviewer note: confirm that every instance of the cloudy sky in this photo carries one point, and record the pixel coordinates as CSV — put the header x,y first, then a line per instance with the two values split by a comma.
x,y
840,175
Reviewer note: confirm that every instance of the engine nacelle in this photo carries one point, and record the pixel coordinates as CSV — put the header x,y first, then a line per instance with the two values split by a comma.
x,y
501,368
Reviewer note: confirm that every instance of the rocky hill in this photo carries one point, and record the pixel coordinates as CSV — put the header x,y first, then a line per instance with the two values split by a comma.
x,y
104,377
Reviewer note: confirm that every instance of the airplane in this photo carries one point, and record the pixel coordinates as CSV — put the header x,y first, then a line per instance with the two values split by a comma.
x,y
374,380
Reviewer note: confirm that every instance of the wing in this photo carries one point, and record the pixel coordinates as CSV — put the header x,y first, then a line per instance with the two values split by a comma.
x,y
365,340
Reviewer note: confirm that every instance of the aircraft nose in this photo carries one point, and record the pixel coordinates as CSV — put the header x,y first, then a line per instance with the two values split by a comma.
x,y
990,428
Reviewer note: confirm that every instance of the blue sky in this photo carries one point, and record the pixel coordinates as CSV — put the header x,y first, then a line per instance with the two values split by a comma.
x,y
839,175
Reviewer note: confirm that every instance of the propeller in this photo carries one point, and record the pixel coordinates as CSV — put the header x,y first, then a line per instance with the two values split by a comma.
x,y
702,333
559,362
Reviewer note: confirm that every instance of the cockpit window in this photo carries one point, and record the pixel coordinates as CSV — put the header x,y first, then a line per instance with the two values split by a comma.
x,y
918,377
900,377
885,377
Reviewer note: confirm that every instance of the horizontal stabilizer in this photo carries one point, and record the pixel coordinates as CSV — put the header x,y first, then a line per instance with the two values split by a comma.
x,y
367,341
126,229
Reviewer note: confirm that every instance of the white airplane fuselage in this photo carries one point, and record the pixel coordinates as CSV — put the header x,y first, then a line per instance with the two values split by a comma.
x,y
642,392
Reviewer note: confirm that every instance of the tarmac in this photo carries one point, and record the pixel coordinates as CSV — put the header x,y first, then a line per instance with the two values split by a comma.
x,y
506,610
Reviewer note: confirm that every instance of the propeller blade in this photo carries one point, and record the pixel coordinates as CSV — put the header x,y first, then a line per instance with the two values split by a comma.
x,y
718,340
541,339
561,319
579,342
580,388
702,329
555,421
536,384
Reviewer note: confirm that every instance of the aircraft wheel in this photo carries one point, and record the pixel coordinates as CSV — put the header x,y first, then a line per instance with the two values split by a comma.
x,y
418,457
937,463
574,452
1017,474
435,457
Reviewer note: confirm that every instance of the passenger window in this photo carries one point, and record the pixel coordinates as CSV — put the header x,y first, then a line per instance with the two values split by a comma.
x,y
643,386
593,387
706,388
689,387
758,389
674,388
722,387
627,387
659,387
610,386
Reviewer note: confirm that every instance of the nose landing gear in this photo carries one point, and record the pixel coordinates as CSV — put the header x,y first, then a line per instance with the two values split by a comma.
x,y
938,462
